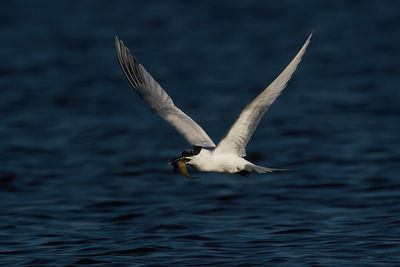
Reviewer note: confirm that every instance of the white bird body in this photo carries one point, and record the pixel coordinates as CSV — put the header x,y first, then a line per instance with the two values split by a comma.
x,y
212,161
227,156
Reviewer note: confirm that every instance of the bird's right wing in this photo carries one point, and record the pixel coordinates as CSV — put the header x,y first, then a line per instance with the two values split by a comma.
x,y
158,100
241,131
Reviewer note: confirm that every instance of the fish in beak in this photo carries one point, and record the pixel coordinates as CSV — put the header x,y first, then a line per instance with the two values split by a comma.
x,y
179,164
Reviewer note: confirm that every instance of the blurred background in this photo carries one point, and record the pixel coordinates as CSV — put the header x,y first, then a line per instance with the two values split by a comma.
x,y
84,177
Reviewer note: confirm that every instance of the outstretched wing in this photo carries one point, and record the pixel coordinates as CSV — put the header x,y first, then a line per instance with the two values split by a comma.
x,y
241,131
158,100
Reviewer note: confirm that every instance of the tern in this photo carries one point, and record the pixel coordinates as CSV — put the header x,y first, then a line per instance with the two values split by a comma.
x,y
204,155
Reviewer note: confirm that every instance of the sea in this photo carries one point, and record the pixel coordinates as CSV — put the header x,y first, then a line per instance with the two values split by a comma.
x,y
84,173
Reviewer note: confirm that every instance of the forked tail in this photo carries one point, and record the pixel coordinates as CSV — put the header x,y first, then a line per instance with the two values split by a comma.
x,y
261,169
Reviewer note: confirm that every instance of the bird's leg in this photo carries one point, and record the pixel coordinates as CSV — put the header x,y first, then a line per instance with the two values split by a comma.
x,y
244,173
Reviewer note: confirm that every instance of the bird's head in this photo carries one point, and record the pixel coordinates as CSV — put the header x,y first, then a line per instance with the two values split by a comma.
x,y
179,163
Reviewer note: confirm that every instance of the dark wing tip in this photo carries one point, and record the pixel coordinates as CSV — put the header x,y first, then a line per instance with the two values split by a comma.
x,y
129,64
117,44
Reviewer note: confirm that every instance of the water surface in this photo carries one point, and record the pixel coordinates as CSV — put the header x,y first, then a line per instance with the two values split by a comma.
x,y
84,177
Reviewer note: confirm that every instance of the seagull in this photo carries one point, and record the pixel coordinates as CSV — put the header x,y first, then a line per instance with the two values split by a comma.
x,y
204,155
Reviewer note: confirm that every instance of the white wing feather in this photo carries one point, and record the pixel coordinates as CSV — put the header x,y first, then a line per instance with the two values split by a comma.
x,y
158,100
241,131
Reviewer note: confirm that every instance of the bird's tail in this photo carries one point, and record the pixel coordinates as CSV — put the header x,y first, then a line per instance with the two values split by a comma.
x,y
261,169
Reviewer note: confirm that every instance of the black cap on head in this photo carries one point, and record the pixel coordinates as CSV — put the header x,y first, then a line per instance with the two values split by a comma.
x,y
191,151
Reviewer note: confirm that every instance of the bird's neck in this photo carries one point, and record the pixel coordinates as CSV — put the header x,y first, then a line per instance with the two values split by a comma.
x,y
202,160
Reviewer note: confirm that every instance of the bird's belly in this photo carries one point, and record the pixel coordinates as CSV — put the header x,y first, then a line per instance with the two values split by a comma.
x,y
223,163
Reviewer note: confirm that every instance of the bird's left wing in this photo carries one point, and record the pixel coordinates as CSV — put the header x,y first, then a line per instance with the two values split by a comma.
x,y
158,100
241,131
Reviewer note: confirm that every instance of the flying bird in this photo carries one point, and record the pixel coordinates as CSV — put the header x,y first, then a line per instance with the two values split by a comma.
x,y
204,155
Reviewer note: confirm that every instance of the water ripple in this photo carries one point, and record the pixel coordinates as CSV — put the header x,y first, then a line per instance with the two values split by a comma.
x,y
84,174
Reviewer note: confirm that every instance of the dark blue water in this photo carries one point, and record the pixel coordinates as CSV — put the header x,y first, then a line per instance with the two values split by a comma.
x,y
84,177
